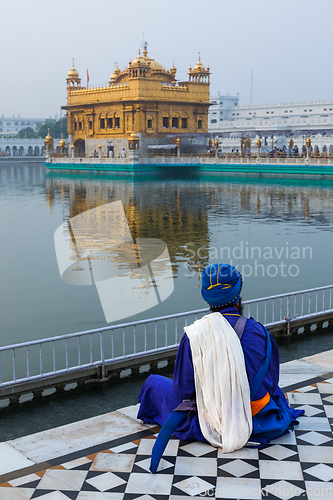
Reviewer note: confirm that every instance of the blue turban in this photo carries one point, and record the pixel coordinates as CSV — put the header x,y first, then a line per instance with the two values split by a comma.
x,y
221,284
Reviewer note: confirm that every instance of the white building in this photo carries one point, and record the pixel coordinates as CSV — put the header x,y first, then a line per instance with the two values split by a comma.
x,y
11,126
12,146
275,123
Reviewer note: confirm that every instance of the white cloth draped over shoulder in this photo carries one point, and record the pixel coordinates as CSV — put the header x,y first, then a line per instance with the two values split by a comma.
x,y
221,383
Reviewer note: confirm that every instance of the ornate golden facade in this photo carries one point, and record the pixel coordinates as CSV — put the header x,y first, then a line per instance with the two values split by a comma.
x,y
144,99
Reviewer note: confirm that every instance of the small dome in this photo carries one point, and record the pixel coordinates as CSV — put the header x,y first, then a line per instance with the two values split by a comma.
x,y
73,73
48,137
199,66
173,69
115,74
62,142
134,136
156,65
140,61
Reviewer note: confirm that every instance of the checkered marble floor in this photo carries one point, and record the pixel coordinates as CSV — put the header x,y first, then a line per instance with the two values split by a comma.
x,y
297,465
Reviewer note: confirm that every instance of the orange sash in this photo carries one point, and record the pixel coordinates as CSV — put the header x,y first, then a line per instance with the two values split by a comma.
x,y
259,404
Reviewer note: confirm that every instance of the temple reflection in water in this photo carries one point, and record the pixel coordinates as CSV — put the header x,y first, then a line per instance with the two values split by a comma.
x,y
211,219
178,212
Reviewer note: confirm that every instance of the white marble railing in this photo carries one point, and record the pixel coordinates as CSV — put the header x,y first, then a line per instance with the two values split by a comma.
x,y
190,160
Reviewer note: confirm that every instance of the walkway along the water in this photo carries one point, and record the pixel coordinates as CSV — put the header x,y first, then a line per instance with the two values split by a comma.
x,y
99,355
107,457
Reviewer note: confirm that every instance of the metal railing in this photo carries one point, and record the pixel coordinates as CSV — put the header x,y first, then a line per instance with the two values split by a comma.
x,y
78,352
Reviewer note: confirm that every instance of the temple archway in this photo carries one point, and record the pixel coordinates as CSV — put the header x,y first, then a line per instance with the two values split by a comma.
x,y
80,147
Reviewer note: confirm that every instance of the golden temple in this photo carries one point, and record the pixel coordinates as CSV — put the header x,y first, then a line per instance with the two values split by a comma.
x,y
142,106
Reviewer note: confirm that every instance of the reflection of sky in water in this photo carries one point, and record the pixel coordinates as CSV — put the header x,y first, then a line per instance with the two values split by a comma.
x,y
195,218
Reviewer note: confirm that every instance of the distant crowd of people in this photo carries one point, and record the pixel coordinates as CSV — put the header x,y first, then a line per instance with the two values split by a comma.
x,y
284,152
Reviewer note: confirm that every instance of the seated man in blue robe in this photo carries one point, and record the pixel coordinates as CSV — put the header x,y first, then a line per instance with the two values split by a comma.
x,y
271,414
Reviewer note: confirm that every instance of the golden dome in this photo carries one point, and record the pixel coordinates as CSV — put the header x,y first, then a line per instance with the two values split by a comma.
x,y
62,142
115,74
173,69
134,135
142,61
155,65
73,73
199,66
48,137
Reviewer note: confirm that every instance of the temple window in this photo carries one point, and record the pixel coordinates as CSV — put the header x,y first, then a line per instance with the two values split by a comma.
x,y
116,122
199,124
175,123
184,122
80,125
102,123
90,125
165,122
110,122
75,125
150,123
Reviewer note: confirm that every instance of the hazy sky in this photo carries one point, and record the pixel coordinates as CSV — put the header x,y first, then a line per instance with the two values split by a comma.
x,y
287,44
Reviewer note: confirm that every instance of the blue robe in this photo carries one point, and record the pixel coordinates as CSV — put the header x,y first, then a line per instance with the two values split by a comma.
x,y
159,395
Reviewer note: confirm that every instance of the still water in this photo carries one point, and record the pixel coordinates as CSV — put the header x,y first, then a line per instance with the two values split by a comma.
x,y
277,232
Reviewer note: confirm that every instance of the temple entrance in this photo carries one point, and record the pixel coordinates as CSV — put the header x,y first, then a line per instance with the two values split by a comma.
x,y
80,147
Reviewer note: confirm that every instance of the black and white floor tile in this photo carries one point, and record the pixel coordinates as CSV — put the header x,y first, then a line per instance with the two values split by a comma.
x,y
298,465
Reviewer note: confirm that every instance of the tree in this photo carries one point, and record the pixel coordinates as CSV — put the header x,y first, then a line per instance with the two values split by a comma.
x,y
56,128
27,133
